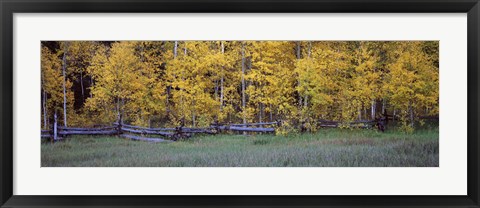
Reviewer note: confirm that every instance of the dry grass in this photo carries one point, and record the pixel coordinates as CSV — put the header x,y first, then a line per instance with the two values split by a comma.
x,y
327,148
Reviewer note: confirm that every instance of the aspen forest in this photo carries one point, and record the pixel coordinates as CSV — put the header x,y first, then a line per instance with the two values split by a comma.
x,y
276,103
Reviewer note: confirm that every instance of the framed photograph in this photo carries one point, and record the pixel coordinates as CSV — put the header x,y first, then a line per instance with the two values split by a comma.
x,y
268,103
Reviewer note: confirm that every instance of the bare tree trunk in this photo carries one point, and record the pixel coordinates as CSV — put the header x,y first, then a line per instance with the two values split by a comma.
x,y
299,53
221,81
221,93
64,66
81,84
384,104
305,101
183,79
55,126
44,109
91,85
91,80
185,49
216,90
243,82
394,114
175,49
373,109
122,108
299,56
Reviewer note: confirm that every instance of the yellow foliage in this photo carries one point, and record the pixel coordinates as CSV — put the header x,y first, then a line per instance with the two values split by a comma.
x,y
196,83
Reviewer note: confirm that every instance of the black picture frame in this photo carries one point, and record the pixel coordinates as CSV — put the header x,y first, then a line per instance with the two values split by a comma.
x,y
9,7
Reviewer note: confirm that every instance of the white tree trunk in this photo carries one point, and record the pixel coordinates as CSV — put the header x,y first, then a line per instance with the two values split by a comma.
x,y
394,114
384,105
81,84
175,49
221,93
243,82
55,126
216,90
221,82
182,90
305,101
373,109
185,49
299,55
64,87
92,85
44,109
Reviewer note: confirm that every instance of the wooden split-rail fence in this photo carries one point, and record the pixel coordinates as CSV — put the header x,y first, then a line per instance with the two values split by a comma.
x,y
173,134
155,134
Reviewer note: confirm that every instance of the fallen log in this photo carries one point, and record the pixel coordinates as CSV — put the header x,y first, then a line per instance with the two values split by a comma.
x,y
146,139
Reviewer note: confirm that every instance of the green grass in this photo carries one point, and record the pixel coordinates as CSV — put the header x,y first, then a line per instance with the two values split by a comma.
x,y
327,148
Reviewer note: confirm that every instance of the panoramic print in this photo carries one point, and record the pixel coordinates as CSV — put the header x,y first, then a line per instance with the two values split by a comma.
x,y
240,103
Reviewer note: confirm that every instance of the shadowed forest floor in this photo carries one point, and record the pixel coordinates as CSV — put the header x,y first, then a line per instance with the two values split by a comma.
x,y
326,148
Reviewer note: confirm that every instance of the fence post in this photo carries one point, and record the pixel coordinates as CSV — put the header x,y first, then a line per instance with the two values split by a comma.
x,y
119,127
55,127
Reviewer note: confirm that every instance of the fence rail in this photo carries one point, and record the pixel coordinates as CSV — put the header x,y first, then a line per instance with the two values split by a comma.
x,y
144,131
257,124
245,129
147,139
62,128
104,132
145,128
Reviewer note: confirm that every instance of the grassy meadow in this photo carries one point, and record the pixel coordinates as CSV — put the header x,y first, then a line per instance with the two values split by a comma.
x,y
326,148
